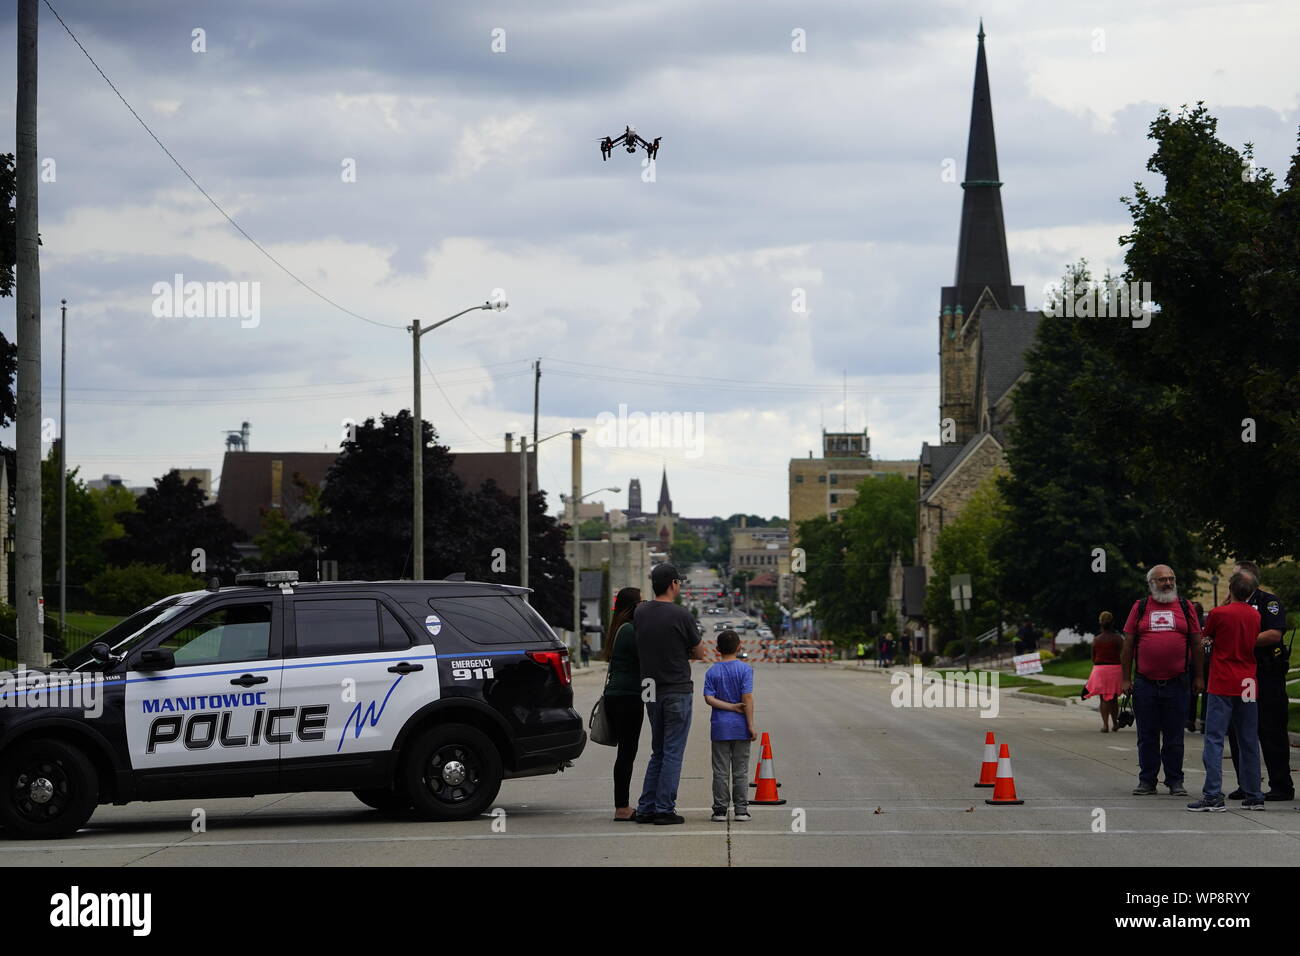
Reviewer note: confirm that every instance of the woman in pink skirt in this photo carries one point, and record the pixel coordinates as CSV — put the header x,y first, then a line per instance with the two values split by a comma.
x,y
1105,679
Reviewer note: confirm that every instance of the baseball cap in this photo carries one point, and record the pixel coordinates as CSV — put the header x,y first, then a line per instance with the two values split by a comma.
x,y
662,576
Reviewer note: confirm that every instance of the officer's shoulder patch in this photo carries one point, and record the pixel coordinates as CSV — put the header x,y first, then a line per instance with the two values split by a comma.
x,y
1274,607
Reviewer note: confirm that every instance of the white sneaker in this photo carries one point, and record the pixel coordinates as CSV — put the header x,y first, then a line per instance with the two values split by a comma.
x,y
719,817
744,817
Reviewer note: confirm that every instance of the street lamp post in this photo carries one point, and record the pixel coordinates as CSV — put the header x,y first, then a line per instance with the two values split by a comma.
x,y
525,490
417,437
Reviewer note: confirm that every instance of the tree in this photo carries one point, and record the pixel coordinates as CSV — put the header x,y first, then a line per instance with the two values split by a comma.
x,y
969,544
171,521
8,259
687,548
85,528
281,546
111,502
1080,533
1203,407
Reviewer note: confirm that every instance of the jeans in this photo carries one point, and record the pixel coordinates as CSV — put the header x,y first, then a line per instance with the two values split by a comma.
x,y
670,722
1274,742
1222,711
730,765
1161,711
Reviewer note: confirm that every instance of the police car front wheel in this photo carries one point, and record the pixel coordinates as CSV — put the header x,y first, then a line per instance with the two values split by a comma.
x,y
48,788
452,772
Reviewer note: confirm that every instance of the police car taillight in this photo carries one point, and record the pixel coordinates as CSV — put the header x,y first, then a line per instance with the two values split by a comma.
x,y
558,661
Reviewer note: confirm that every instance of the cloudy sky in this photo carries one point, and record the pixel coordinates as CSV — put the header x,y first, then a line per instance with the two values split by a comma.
x,y
472,132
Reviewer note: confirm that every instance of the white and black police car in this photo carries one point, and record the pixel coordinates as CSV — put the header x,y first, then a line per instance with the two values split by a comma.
x,y
418,696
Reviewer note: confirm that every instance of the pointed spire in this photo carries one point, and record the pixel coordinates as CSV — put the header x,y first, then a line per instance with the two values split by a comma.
x,y
982,248
665,502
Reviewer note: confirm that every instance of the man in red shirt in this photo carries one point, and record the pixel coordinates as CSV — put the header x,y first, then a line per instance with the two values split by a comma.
x,y
1165,632
1231,696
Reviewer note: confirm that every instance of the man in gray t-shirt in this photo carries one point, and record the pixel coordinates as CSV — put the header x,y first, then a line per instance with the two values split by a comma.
x,y
666,642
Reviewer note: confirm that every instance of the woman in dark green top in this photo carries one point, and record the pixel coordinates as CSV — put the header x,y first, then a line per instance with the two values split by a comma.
x,y
623,697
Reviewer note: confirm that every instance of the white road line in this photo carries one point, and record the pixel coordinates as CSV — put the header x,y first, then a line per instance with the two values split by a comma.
x,y
605,835
1113,747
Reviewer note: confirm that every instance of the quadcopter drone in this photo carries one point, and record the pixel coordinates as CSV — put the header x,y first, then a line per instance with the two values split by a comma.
x,y
630,140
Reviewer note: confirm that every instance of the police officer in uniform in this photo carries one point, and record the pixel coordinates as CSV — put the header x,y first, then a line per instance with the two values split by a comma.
x,y
1271,662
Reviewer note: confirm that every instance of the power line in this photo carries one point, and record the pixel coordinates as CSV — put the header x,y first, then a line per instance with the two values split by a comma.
x,y
215,205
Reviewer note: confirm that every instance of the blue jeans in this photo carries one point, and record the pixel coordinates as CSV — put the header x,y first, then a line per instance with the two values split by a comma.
x,y
1221,711
670,722
1161,712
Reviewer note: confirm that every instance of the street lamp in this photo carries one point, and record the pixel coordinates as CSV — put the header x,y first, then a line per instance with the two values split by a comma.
x,y
417,437
577,550
525,489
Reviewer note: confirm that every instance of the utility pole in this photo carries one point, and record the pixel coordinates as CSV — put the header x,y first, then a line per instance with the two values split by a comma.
x,y
63,471
27,495
537,386
417,463
523,511
577,551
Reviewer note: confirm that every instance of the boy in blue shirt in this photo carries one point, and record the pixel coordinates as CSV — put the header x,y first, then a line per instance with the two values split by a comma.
x,y
729,690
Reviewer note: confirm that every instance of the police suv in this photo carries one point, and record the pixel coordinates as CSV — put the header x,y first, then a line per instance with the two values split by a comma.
x,y
416,695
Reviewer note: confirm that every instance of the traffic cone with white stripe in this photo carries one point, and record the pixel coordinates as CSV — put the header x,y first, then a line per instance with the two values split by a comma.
x,y
989,768
1004,789
767,795
765,743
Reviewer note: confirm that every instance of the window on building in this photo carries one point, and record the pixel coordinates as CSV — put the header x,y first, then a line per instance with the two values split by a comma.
x,y
835,479
821,479
798,479
835,499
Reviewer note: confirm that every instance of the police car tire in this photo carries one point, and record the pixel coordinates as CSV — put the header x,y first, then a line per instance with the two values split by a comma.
x,y
385,801
76,785
469,747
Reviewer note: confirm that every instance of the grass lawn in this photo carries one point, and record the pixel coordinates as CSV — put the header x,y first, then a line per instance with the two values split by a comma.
x,y
1080,669
1006,680
1293,689
1293,720
1057,690
93,623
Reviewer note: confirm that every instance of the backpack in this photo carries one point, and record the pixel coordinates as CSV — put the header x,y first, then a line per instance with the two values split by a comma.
x,y
1188,615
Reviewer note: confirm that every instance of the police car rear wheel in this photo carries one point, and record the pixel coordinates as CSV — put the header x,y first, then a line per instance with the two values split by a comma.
x,y
385,801
48,788
453,772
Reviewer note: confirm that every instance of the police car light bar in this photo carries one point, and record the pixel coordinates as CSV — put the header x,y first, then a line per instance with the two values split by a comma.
x,y
268,578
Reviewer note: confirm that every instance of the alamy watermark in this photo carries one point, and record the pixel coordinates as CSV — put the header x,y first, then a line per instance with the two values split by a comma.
x,y
1099,300
208,300
626,429
945,689
36,689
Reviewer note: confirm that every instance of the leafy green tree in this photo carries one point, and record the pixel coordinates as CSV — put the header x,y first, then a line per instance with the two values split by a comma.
x,y
687,547
136,586
969,544
280,545
111,502
85,530
8,260
1201,408
593,529
170,522
1079,533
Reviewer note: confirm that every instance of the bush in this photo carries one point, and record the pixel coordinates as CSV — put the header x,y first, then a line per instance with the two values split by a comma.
x,y
927,658
1045,655
954,649
127,590
1077,652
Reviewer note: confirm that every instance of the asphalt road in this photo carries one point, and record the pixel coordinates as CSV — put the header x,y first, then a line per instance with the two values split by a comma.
x,y
872,785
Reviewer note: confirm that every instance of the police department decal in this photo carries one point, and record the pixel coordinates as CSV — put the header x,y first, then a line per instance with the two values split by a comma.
x,y
472,669
1273,607
432,624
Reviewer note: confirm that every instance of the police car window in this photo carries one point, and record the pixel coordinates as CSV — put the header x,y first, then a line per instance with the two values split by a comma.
x,y
395,637
485,620
237,632
340,626
540,628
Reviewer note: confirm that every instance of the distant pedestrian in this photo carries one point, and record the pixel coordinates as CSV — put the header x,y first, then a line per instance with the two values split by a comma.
x,y
623,697
586,652
666,643
1162,646
729,690
1231,698
1026,638
1106,678
887,650
862,654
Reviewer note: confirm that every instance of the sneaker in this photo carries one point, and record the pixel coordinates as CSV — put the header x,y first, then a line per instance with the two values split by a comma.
x,y
1253,804
644,817
719,816
742,816
1177,790
1204,804
1237,794
1144,790
668,819
1279,795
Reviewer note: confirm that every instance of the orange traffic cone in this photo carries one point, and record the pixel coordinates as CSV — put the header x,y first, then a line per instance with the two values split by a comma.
x,y
989,768
767,795
759,766
1004,789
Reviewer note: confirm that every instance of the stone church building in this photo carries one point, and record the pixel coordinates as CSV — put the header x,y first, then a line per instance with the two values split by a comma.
x,y
984,332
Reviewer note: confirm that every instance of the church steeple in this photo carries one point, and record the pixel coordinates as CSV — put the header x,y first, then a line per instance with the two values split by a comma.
x,y
982,246
665,502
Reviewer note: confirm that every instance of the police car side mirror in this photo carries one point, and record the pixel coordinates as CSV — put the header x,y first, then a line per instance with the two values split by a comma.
x,y
101,652
157,659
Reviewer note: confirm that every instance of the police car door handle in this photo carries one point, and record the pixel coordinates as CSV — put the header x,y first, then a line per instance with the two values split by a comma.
x,y
405,668
248,680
